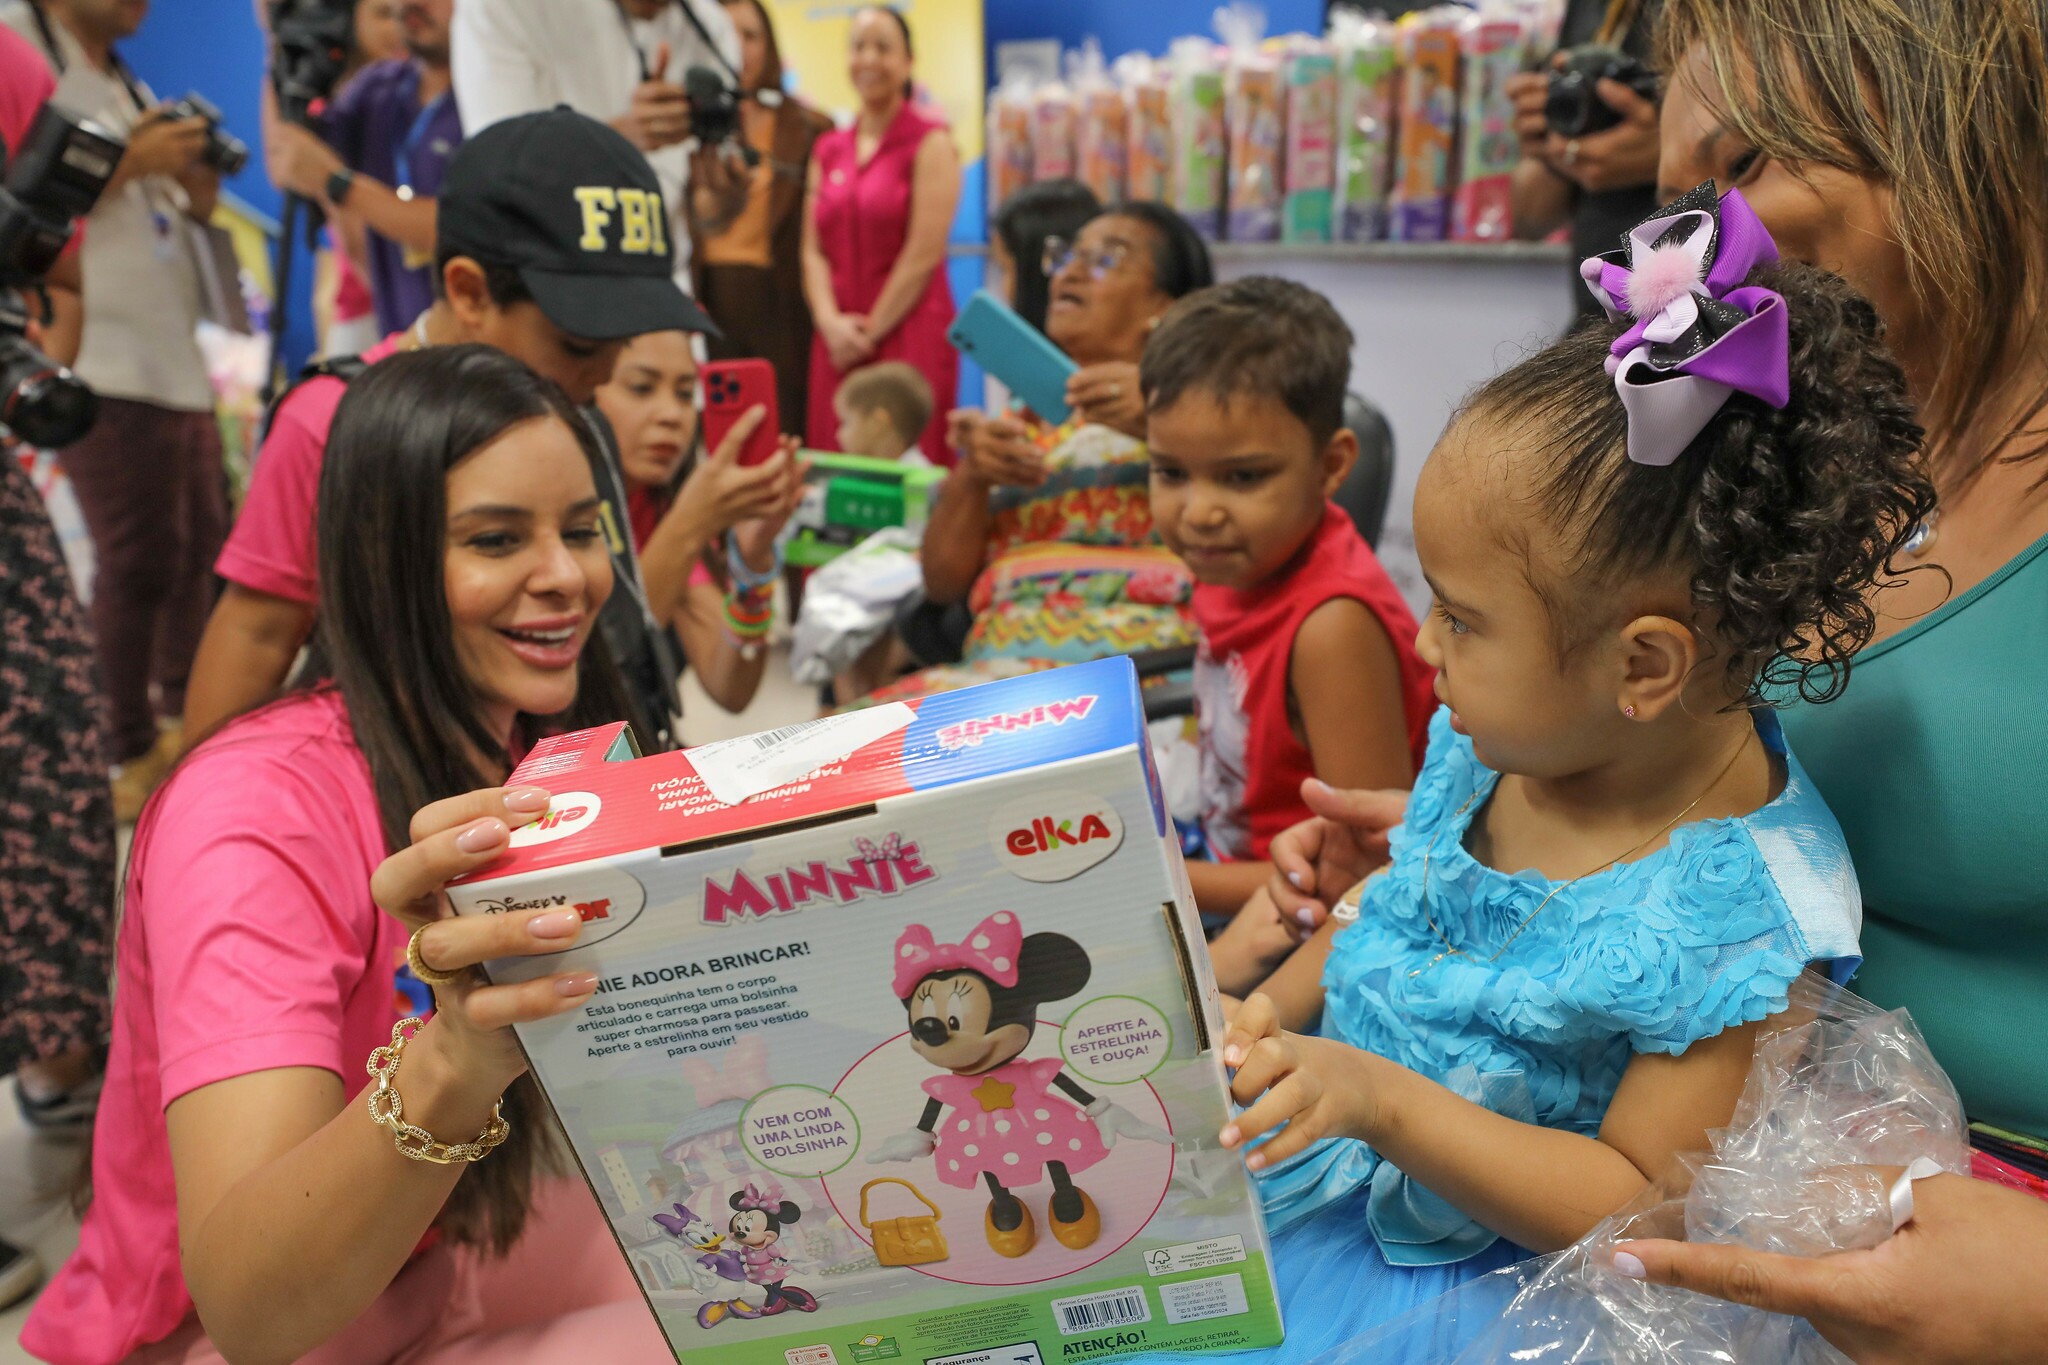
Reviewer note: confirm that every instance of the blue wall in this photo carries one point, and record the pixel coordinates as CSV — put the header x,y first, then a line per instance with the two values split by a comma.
x,y
1127,25
214,47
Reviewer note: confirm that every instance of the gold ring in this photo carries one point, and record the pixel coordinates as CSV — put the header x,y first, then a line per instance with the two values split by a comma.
x,y
1571,152
419,965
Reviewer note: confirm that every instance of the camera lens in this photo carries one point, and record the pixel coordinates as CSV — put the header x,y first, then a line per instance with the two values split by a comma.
x,y
1571,107
40,401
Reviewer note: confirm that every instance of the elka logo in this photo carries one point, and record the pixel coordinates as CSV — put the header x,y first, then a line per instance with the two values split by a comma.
x,y
568,813
1056,835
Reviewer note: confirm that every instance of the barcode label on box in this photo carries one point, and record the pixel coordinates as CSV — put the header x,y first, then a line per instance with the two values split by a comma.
x,y
736,769
1221,1296
1093,1312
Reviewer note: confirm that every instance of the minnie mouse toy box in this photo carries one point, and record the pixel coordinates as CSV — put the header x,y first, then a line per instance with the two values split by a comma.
x,y
905,1045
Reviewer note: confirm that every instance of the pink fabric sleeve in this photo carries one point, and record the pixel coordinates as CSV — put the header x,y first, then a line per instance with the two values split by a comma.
x,y
271,548
259,924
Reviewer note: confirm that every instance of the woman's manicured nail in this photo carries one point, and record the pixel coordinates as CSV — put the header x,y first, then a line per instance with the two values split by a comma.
x,y
484,834
1305,917
527,800
1294,879
1629,1264
1230,1137
554,924
576,983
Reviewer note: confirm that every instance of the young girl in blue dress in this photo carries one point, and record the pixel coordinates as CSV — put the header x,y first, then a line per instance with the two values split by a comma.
x,y
1611,870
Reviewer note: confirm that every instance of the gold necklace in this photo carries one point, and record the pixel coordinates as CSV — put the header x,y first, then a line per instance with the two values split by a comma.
x,y
1452,950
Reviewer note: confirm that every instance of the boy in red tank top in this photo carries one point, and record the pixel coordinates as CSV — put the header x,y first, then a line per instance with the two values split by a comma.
x,y
1307,669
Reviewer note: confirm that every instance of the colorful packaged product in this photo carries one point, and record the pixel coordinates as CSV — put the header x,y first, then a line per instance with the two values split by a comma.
x,y
905,1045
1420,206
1148,126
1254,113
1368,85
1100,149
1052,132
1309,73
1494,41
1195,181
1009,139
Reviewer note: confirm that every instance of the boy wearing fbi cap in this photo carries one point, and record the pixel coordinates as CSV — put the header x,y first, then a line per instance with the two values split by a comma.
x,y
551,245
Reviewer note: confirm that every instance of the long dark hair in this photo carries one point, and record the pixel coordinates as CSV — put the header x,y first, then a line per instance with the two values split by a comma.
x,y
771,70
385,642
1050,208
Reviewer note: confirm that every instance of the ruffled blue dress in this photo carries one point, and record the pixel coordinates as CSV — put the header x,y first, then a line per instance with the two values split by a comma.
x,y
1648,956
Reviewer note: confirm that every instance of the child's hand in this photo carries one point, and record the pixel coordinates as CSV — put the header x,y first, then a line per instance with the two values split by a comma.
x,y
1257,939
1313,1086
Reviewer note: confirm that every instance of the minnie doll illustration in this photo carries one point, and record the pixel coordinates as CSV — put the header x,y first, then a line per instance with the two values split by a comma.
x,y
973,1007
717,1267
757,1227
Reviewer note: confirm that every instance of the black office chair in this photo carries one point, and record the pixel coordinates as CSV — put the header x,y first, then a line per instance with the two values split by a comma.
x,y
1364,494
1366,490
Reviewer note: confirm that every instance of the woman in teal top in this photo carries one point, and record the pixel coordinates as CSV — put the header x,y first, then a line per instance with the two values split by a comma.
x,y
1899,145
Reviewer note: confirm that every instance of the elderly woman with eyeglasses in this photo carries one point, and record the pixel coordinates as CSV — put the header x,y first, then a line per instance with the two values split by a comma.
x,y
1045,532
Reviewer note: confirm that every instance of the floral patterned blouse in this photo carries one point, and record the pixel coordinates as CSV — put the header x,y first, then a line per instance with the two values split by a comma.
x,y
1648,956
1073,569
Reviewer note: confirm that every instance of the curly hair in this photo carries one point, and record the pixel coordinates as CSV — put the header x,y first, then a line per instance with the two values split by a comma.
x,y
1782,519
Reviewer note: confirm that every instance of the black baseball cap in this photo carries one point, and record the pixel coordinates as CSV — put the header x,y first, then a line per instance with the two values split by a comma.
x,y
576,209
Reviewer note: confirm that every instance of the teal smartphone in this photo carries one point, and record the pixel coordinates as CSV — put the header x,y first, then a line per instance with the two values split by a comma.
x,y
1035,371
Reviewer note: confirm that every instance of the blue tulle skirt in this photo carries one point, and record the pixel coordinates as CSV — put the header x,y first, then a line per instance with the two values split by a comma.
x,y
1335,1285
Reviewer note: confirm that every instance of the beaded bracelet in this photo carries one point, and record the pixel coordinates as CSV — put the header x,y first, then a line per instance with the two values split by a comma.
x,y
744,578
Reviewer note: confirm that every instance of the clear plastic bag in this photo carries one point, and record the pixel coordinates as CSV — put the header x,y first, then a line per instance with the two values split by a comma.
x,y
851,602
1840,1088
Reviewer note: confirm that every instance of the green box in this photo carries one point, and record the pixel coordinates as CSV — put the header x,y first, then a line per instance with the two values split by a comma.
x,y
850,498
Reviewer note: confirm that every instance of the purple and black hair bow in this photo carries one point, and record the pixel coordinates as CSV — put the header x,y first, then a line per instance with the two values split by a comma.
x,y
1700,334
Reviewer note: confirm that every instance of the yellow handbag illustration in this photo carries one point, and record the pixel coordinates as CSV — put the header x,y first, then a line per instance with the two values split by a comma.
x,y
915,1240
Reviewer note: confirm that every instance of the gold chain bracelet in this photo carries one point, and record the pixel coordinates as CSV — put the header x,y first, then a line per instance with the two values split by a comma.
x,y
388,1109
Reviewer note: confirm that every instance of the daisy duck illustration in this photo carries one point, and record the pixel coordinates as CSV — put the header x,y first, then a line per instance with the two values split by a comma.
x,y
993,1118
718,1267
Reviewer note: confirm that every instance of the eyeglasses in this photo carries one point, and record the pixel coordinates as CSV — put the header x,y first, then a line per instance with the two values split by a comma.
x,y
1059,253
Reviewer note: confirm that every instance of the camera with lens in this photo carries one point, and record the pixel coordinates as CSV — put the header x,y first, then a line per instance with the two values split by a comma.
x,y
55,177
1573,106
311,42
715,113
224,152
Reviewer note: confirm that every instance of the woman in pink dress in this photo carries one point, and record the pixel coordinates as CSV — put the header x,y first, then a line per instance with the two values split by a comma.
x,y
881,201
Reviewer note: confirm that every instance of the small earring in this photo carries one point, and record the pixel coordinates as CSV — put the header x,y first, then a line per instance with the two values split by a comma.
x,y
1629,711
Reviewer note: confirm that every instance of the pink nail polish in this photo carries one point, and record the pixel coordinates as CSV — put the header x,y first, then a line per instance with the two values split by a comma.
x,y
576,983
527,800
1294,879
555,924
484,834
1305,917
1628,1264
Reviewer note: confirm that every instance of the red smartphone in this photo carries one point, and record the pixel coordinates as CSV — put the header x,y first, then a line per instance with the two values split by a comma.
x,y
731,389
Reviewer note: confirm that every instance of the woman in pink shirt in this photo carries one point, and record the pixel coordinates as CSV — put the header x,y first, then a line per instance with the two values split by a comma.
x,y
881,198
244,1206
